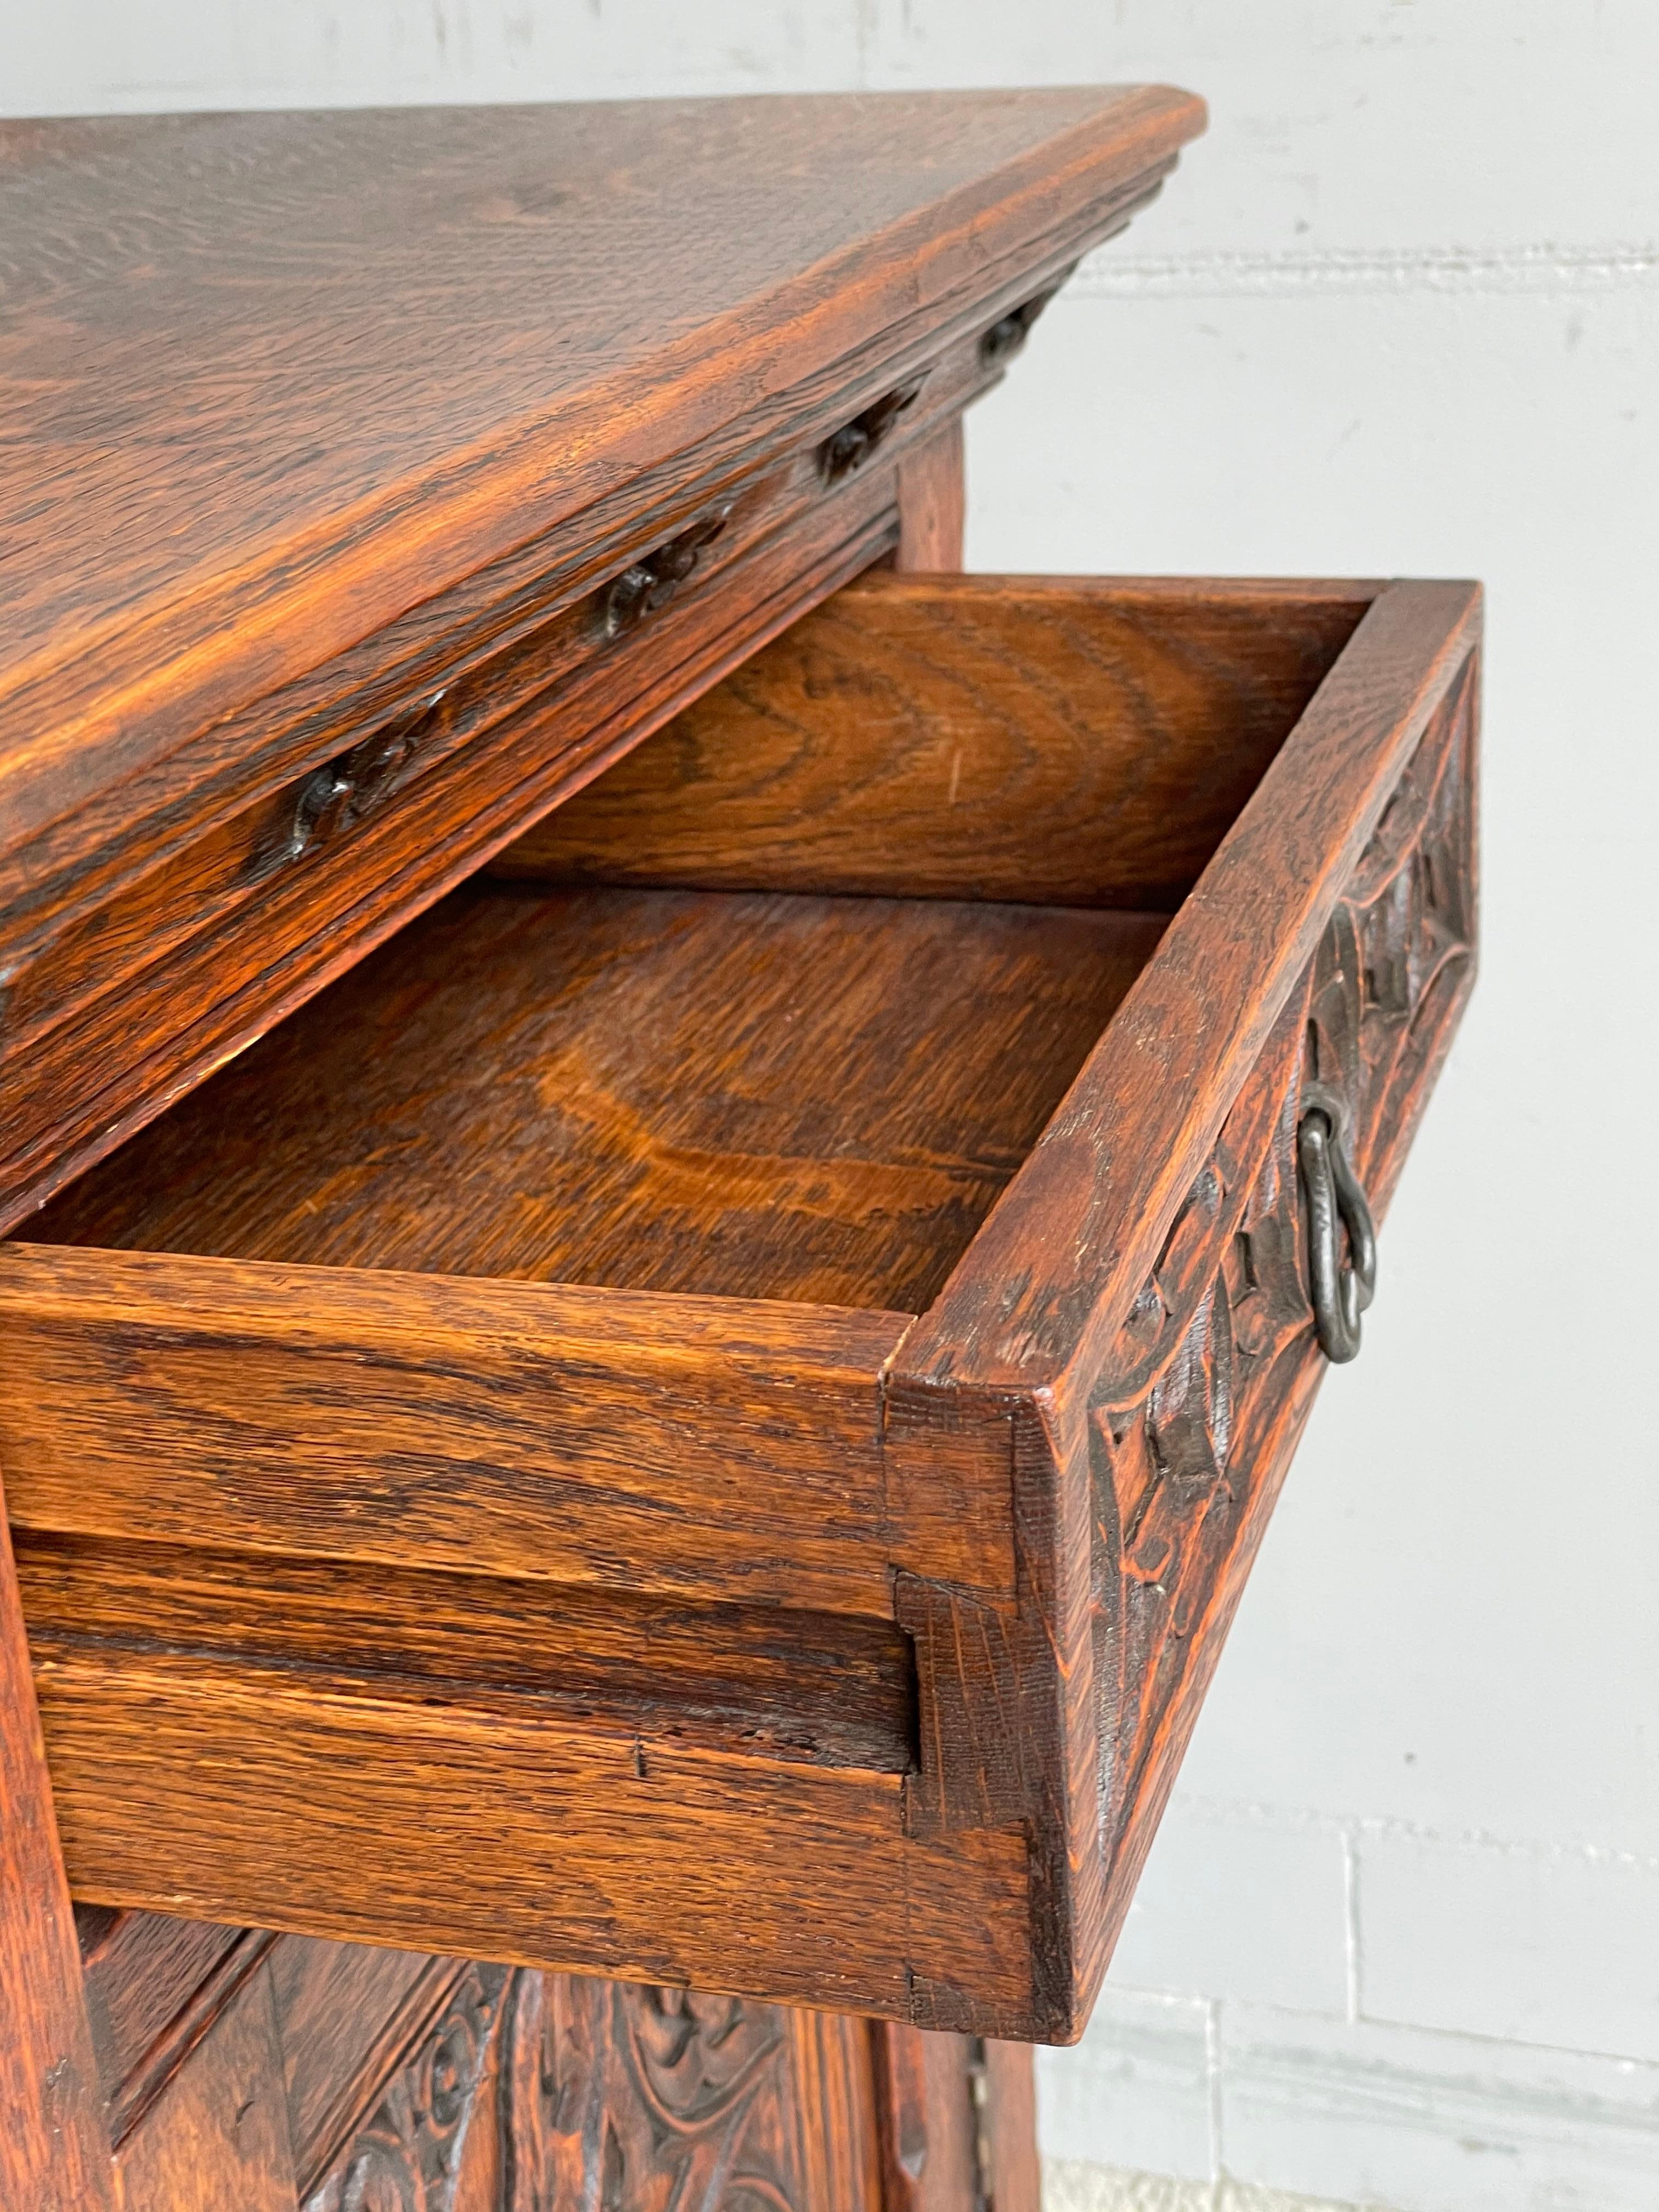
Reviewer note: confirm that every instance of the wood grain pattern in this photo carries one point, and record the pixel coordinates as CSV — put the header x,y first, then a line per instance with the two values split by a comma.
x,y
368,304
146,989
347,2017
1146,1461
54,2155
1217,985
416,564
815,1100
218,2135
1042,1493
1194,1420
332,581
699,1447
452,2087
435,2141
464,2088
831,1689
837,2125
932,502
1066,741
154,1987
1012,2170
140,1971
929,2124
333,1810
958,2116
650,2097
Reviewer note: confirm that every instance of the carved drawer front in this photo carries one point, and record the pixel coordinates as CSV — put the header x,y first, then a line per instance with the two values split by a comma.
x,y
704,1413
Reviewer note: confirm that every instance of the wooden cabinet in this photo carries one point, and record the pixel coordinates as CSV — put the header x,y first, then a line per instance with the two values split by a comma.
x,y
676,1182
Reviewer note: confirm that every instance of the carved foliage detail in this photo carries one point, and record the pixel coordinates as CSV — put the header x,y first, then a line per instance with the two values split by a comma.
x,y
1214,1363
851,446
650,583
638,2099
1009,333
408,2156
533,2092
334,798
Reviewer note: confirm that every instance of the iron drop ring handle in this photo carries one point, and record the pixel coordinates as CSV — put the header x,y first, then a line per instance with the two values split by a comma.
x,y
1341,1293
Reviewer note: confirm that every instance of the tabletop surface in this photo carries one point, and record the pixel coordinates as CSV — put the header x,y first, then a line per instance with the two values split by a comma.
x,y
260,366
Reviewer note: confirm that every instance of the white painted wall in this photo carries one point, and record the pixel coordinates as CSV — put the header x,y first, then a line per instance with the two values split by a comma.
x,y
1399,1942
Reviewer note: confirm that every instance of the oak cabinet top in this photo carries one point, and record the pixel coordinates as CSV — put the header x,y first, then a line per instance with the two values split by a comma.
x,y
269,380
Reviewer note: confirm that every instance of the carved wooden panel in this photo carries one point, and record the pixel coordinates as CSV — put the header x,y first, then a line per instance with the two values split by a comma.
x,y
618,2094
532,2091
434,2115
1193,1415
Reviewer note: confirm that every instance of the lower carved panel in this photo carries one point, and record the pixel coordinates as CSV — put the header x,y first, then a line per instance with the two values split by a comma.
x,y
627,2099
533,2092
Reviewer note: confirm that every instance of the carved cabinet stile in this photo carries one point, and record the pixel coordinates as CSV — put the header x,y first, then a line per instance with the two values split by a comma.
x,y
674,1182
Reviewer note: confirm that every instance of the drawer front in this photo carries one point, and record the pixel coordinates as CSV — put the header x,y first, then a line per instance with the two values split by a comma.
x,y
655,1619
1151,1396
394,772
1197,1408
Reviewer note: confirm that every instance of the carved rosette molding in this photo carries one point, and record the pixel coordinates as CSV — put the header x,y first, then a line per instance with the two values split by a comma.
x,y
1194,1414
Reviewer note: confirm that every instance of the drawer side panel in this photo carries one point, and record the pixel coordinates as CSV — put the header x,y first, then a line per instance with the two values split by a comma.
x,y
705,1447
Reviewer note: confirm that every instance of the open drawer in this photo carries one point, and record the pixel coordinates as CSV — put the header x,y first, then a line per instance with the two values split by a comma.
x,y
704,1413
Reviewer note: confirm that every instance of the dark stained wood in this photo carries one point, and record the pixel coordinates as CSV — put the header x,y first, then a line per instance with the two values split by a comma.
x,y
932,502
351,314
154,1985
383,478
958,2118
1150,1375
54,2155
929,2122
1068,741
440,2130
832,1689
708,1448
1217,985
157,984
662,2097
1012,2170
334,1808
140,1969
838,2124
768,1097
347,2017
218,2133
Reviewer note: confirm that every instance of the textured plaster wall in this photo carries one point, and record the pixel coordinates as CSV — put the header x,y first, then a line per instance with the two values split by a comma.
x,y
1399,1942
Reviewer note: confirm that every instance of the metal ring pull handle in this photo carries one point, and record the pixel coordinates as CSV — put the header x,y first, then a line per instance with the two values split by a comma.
x,y
1340,1294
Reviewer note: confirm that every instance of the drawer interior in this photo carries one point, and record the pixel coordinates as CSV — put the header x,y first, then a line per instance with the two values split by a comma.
x,y
743,1095
568,1359
776,1008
